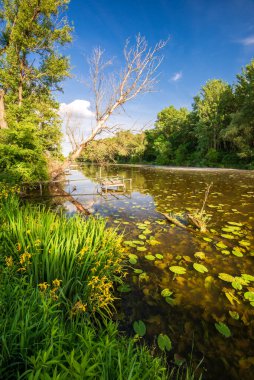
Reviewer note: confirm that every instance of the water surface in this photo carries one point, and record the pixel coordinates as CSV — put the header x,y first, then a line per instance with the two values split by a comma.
x,y
198,300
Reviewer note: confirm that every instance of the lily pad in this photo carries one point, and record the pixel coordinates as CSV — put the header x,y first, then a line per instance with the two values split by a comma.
x,y
164,342
223,329
247,277
159,256
226,277
249,296
234,314
166,293
200,255
142,249
221,245
150,257
200,268
124,288
138,271
139,328
177,269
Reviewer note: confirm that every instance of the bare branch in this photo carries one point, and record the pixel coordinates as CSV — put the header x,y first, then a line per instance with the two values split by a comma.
x,y
139,76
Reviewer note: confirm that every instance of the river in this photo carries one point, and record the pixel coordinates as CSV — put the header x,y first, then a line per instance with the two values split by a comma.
x,y
194,307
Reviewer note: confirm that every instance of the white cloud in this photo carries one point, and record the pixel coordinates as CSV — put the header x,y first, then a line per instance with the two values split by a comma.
x,y
247,41
78,109
177,76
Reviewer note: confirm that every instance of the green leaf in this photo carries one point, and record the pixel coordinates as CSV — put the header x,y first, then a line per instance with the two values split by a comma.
x,y
159,256
247,277
200,268
226,277
166,293
124,288
164,342
223,329
139,328
150,257
249,296
236,285
177,269
234,314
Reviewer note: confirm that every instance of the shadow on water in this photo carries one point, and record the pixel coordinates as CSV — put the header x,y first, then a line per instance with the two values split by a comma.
x,y
201,299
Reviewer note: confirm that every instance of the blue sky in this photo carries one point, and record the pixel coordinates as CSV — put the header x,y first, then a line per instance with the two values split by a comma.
x,y
208,39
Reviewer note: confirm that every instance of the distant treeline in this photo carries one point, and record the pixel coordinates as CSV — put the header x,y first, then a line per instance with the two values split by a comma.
x,y
218,131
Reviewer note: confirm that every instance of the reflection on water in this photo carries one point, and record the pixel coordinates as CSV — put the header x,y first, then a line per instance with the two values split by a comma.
x,y
199,299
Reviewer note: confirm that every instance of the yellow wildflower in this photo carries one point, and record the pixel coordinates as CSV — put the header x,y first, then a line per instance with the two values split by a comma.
x,y
78,308
19,247
43,286
24,258
56,283
9,261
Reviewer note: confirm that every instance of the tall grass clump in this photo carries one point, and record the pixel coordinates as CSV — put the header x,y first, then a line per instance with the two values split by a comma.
x,y
70,258
57,277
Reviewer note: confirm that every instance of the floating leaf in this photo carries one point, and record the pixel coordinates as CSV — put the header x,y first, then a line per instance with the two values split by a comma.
x,y
221,245
164,342
138,271
248,277
153,242
244,243
200,255
177,269
237,252
139,328
159,256
223,329
226,277
142,249
235,224
124,288
133,261
236,285
207,239
227,236
249,296
150,257
200,268
166,293
225,252
143,237
234,314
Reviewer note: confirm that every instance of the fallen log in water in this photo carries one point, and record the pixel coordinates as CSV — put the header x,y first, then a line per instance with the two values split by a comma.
x,y
79,206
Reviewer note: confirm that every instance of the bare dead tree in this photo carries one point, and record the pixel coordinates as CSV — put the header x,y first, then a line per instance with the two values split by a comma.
x,y
73,132
111,92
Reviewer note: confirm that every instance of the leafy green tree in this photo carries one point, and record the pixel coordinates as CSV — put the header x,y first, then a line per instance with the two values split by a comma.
x,y
240,132
213,108
161,140
31,68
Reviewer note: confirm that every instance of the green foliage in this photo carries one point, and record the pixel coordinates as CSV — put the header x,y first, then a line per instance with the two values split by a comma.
x,y
139,328
218,131
31,67
54,281
223,329
122,147
164,342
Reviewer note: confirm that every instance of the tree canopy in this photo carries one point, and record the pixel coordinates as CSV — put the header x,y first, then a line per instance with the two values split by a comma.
x,y
32,68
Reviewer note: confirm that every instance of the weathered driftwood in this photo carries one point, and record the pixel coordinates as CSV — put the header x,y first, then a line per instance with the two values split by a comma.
x,y
196,222
79,206
174,220
189,219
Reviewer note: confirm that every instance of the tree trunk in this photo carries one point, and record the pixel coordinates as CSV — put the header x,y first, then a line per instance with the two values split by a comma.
x,y
3,124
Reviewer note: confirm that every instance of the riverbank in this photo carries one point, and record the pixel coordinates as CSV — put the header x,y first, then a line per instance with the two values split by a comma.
x,y
60,274
183,168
